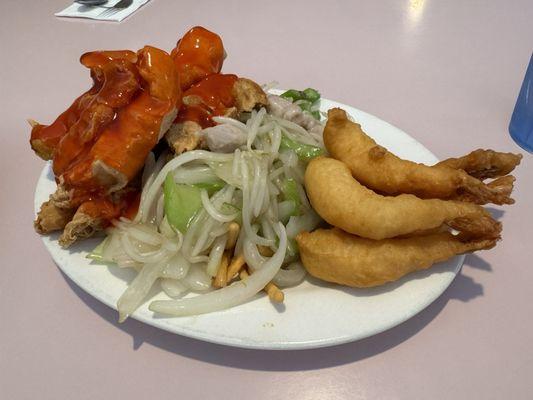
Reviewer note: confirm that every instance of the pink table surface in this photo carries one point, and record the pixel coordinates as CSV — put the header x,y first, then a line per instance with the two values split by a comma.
x,y
448,73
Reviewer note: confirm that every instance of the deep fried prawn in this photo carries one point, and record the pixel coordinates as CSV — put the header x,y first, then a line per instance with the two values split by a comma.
x,y
335,256
377,168
343,202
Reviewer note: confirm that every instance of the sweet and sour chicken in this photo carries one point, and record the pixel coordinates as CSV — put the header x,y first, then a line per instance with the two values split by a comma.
x,y
99,145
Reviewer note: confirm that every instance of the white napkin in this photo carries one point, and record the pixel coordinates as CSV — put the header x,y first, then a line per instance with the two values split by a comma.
x,y
99,13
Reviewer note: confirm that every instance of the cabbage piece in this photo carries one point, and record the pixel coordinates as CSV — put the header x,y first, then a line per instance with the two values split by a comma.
x,y
182,202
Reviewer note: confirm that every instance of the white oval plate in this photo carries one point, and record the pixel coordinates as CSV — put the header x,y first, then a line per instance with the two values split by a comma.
x,y
315,314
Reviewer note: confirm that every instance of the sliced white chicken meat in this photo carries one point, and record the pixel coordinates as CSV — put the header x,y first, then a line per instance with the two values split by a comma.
x,y
283,108
224,138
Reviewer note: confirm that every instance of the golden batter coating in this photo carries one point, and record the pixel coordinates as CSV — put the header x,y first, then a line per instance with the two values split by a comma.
x,y
52,218
343,202
377,168
336,256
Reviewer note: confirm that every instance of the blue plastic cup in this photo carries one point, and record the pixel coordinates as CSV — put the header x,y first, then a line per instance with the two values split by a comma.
x,y
521,126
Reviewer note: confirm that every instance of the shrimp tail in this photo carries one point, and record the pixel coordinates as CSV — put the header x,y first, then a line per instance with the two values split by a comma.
x,y
497,192
484,164
480,227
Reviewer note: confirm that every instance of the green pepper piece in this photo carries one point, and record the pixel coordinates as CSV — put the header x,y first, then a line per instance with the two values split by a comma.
x,y
311,95
305,105
305,152
293,95
286,209
182,202
290,192
98,252
316,114
211,187
292,248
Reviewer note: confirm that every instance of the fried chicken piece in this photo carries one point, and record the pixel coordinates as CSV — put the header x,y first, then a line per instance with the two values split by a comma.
x,y
184,136
215,95
52,218
80,227
199,53
119,152
45,139
484,164
56,212
61,197
94,215
121,84
377,168
248,95
343,202
336,256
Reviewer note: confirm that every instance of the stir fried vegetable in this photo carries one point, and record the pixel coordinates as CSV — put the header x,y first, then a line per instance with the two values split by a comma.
x,y
307,99
290,193
97,253
305,152
211,187
207,219
182,202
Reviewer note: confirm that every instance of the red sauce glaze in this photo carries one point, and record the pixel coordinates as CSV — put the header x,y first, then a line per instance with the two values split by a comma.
x,y
95,59
125,143
105,209
210,97
133,207
198,54
47,138
117,122
79,196
121,82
